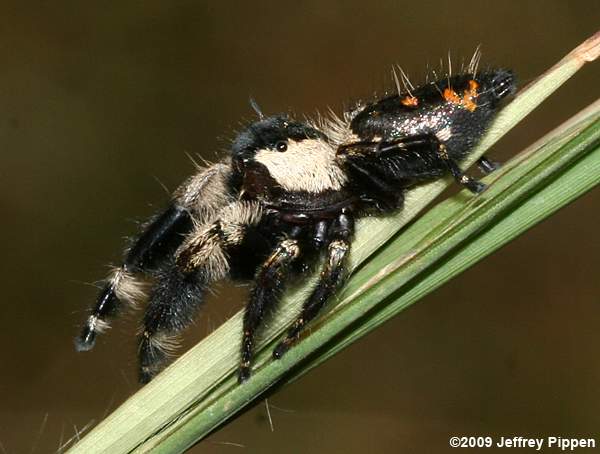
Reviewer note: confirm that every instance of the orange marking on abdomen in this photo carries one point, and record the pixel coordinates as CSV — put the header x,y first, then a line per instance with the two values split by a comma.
x,y
409,101
470,95
451,96
468,99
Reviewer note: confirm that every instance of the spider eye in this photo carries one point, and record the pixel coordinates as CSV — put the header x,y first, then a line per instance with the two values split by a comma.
x,y
281,146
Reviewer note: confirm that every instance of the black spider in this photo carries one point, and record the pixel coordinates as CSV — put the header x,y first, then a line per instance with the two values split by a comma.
x,y
289,191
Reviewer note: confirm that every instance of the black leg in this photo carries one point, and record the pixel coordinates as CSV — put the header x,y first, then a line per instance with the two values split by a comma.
x,y
172,307
415,158
473,185
203,195
320,234
266,292
441,152
160,239
178,294
487,166
330,280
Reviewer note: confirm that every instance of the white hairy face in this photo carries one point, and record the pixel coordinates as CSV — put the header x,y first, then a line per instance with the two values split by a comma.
x,y
306,165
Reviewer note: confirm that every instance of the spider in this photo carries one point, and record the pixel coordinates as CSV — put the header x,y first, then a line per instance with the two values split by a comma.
x,y
288,193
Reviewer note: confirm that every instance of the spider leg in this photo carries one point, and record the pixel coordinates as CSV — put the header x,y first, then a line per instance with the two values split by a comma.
x,y
487,166
266,292
197,198
179,292
159,239
415,158
473,185
174,302
330,280
320,235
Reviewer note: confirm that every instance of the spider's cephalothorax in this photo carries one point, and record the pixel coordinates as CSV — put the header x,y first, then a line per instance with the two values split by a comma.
x,y
288,192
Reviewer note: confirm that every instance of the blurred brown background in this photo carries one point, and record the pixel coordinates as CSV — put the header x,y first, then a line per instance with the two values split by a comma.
x,y
101,101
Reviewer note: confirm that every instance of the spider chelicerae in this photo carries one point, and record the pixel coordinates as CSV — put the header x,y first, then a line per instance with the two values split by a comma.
x,y
289,192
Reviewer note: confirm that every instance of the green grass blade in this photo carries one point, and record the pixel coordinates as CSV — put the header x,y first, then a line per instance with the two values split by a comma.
x,y
198,392
521,191
574,181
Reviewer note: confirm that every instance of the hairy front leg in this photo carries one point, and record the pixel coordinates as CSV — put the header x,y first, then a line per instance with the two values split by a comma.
x,y
198,198
179,292
155,244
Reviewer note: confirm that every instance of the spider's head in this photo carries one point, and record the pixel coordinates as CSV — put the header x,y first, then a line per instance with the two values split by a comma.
x,y
277,152
276,134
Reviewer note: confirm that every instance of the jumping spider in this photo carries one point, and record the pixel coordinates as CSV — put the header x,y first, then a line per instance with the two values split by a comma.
x,y
289,191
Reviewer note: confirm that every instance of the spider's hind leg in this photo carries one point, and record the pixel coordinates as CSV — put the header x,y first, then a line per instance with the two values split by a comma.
x,y
440,152
414,158
473,185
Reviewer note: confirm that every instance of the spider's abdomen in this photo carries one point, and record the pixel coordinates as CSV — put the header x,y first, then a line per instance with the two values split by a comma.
x,y
457,110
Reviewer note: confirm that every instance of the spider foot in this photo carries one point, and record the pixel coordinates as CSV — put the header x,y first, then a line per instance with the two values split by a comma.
x,y
283,347
244,373
86,340
488,166
475,186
